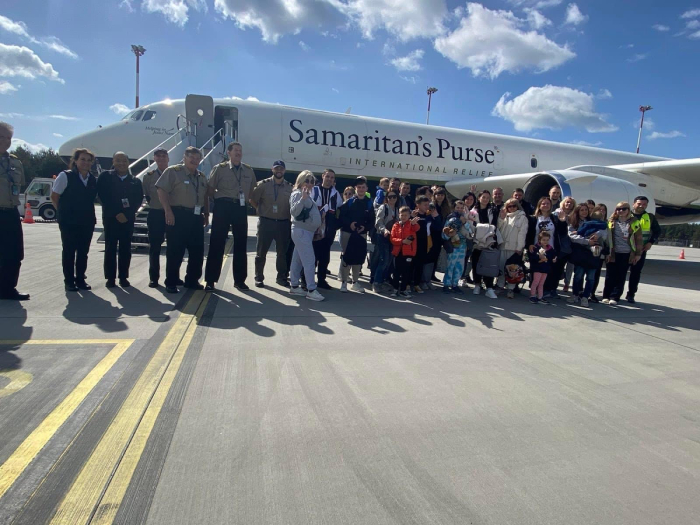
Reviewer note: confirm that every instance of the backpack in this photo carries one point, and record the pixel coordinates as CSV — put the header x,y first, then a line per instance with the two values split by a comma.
x,y
356,250
303,215
489,263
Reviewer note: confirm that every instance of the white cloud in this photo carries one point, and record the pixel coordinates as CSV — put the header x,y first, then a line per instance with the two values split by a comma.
x,y
536,19
536,4
693,24
33,148
37,117
491,42
304,46
410,80
410,62
6,87
695,35
58,135
126,4
49,42
403,19
574,16
174,11
63,117
627,46
20,61
552,107
119,109
692,13
670,135
335,90
584,143
275,18
54,44
604,94
660,27
637,57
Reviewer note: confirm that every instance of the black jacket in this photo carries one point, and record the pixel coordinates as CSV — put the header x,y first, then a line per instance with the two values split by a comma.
x,y
112,190
560,228
360,211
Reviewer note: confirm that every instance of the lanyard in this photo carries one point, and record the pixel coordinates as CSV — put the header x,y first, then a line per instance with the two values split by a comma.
x,y
276,189
238,175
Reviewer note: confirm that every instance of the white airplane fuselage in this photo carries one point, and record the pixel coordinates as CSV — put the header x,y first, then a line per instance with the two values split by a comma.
x,y
352,145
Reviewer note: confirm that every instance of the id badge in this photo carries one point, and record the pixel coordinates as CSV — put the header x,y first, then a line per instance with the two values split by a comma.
x,y
241,198
125,203
274,208
197,210
15,189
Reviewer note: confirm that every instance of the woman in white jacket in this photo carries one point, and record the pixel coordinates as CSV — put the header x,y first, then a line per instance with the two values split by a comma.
x,y
513,224
306,219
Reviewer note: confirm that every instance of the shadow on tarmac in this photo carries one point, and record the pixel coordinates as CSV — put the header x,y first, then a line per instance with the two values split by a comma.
x,y
87,308
18,313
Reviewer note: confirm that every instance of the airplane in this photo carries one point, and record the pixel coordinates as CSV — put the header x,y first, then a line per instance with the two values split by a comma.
x,y
421,154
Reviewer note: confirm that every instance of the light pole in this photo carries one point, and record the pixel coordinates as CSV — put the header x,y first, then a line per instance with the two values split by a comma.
x,y
643,109
431,90
138,51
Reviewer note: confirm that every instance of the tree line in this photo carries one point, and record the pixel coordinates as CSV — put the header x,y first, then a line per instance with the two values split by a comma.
x,y
44,164
682,232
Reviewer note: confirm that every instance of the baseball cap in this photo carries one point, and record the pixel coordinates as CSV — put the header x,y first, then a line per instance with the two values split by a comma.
x,y
278,163
160,150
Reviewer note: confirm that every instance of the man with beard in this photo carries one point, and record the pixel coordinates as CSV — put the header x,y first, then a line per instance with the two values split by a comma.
x,y
271,200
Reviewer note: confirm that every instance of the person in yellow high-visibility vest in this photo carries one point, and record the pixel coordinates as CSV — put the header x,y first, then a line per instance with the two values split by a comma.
x,y
650,235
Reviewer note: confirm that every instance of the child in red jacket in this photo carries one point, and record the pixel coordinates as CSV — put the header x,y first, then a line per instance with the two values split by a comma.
x,y
403,239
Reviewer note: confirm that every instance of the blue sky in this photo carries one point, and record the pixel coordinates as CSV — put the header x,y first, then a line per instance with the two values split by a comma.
x,y
548,69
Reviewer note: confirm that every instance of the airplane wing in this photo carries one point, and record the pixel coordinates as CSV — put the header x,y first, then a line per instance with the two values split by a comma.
x,y
685,172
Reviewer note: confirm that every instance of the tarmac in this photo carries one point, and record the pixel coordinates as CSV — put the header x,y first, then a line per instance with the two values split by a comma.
x,y
135,406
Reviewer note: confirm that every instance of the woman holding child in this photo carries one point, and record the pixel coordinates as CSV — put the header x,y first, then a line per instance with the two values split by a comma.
x,y
588,234
513,225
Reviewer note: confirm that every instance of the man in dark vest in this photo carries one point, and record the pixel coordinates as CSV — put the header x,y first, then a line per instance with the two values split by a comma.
x,y
11,236
650,236
73,195
121,195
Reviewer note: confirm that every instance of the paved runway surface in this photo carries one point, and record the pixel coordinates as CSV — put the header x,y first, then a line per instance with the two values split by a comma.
x,y
133,406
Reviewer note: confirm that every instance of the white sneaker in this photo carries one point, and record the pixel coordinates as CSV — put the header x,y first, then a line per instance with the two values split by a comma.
x,y
296,290
344,287
584,302
612,302
605,301
573,300
313,295
462,282
477,290
357,287
491,294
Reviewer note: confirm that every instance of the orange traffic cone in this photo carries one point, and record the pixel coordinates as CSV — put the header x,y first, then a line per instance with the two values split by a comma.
x,y
682,255
28,215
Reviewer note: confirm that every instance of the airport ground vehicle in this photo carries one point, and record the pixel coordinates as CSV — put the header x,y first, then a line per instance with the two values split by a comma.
x,y
38,195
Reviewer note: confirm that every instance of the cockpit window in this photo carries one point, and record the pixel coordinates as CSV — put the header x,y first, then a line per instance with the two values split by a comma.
x,y
149,115
137,115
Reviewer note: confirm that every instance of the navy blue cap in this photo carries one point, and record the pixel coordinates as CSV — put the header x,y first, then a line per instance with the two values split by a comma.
x,y
278,163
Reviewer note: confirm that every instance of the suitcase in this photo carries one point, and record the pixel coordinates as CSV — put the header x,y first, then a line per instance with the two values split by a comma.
x,y
489,263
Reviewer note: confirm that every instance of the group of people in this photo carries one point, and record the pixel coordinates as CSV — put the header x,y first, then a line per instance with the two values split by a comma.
x,y
481,239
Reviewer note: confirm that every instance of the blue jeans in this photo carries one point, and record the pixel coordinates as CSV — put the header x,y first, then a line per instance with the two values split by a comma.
x,y
380,260
579,273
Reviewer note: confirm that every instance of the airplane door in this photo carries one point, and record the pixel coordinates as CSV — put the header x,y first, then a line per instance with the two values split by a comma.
x,y
199,109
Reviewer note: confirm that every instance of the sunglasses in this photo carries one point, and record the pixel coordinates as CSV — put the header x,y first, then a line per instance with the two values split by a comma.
x,y
622,209
310,181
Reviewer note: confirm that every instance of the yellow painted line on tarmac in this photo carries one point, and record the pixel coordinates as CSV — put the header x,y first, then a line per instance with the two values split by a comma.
x,y
18,380
131,426
32,445
112,499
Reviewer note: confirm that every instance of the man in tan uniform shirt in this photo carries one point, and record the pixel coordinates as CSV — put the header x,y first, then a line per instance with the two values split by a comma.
x,y
156,215
11,237
271,199
182,192
231,184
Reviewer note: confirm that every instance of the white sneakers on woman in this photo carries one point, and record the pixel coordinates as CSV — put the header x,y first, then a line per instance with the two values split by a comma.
x,y
313,295
491,294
